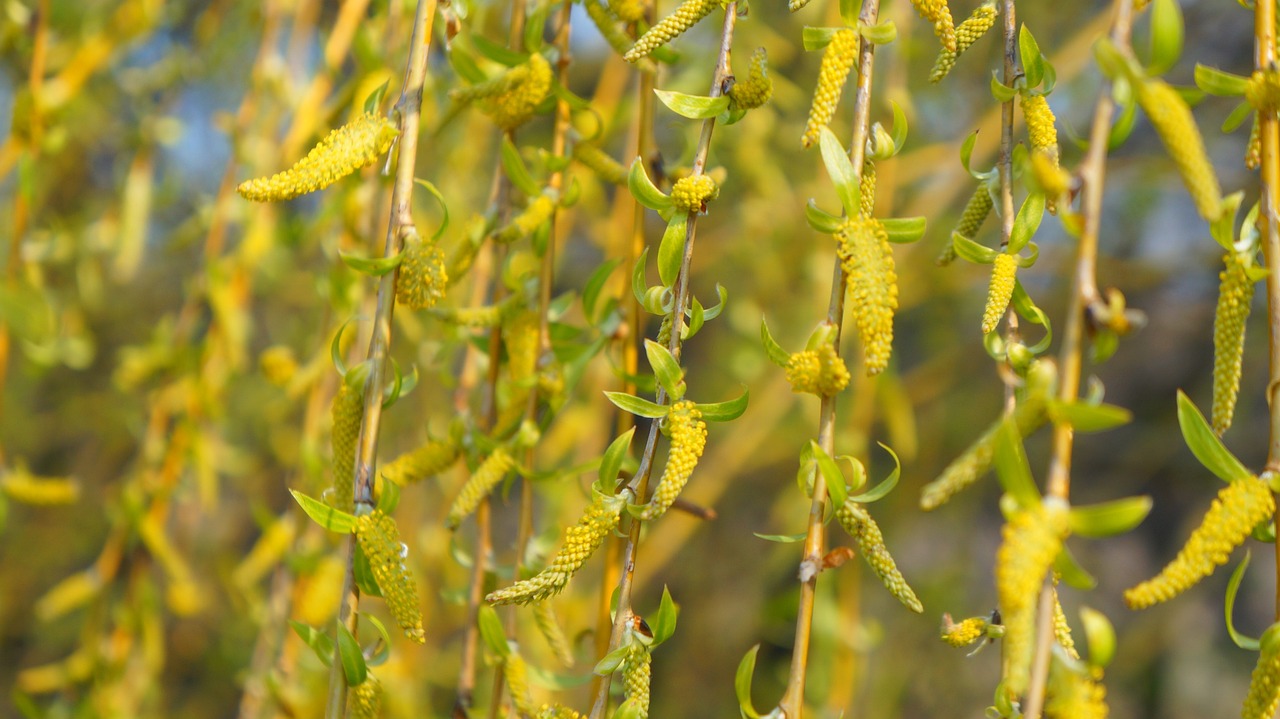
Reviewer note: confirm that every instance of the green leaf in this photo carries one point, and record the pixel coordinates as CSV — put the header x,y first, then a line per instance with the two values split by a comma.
x,y
1000,91
614,456
742,683
611,661
781,538
363,574
516,170
322,514
444,208
971,251
497,52
1217,82
1109,518
821,220
899,131
1114,63
383,652
639,285
491,631
1237,117
849,12
635,405
374,267
885,487
320,643
671,249
966,151
841,171
1027,222
388,497
630,709
595,285
816,38
694,107
725,411
776,353
1205,445
904,229
643,189
1166,37
374,100
1072,573
1089,417
465,65
1028,310
665,368
1100,636
1012,468
353,666
664,624
837,487
697,317
534,25
1222,229
1032,61
1233,587
882,33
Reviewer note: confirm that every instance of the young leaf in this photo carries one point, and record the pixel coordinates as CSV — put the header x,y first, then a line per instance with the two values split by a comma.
x,y
1000,91
383,645
1012,468
1072,573
320,643
671,250
363,574
742,683
1032,62
1205,444
1109,518
899,131
725,411
1089,417
630,709
1237,117
595,284
374,267
694,107
1100,637
516,170
664,624
966,151
637,406
841,171
614,456
444,209
1027,221
1217,82
491,631
902,230
776,353
1166,36
971,251
836,485
821,220
639,285
388,497
643,189
781,538
331,519
374,100
496,52
611,661
816,38
353,665
882,33
1233,587
665,368
882,490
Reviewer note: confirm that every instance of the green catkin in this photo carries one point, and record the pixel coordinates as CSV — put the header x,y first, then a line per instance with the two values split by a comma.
x,y
21,485
867,260
579,543
278,365
515,106
1253,151
487,476
557,711
1177,129
366,699
757,87
1073,695
1235,295
838,59
1264,686
1032,540
1239,507
938,13
431,458
528,221
688,438
503,83
966,632
969,32
380,541
971,219
664,330
867,189
516,672
544,616
613,33
635,677
819,372
1003,279
349,148
423,278
600,162
863,528
692,193
347,413
1061,629
670,27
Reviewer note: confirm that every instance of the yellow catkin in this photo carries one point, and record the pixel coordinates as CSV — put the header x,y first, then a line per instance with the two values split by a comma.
x,y
863,528
521,336
1262,91
487,476
278,364
1235,295
1061,629
1041,130
427,460
1177,129
1264,686
528,221
1032,540
635,677
968,32
867,189
688,438
502,83
966,632
820,372
423,278
557,711
1239,507
938,13
578,544
20,485
975,213
1000,291
613,33
867,260
366,699
544,616
692,193
756,88
69,594
515,106
628,11
670,27
1054,180
347,413
601,163
516,672
380,541
347,149
1073,695
1253,151
838,59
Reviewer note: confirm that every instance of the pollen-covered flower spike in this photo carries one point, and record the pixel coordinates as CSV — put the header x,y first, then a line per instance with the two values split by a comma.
x,y
347,413
579,543
1032,539
479,485
429,459
967,33
693,192
366,699
1074,694
423,278
1239,507
1235,295
863,528
635,677
976,210
380,541
837,60
1177,129
1003,279
516,673
557,711
688,438
862,244
963,633
1264,686
938,13
819,372
756,88
515,105
671,27
349,148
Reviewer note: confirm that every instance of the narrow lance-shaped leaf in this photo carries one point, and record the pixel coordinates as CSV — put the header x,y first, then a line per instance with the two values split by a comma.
x,y
353,665
776,353
643,189
665,368
1166,36
725,411
671,249
611,462
331,519
694,107
1233,587
664,623
1109,518
1205,444
841,171
637,406
742,683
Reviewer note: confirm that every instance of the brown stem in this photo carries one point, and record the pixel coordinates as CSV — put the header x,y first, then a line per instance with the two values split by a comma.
x,y
1006,167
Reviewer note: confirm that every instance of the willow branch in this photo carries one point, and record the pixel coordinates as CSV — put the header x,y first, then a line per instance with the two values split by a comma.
x,y
1011,73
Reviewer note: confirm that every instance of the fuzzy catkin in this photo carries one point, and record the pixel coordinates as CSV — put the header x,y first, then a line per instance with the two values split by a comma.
x,y
612,32
349,148
380,541
1061,629
966,632
688,438
528,221
837,60
976,210
1073,695
938,13
1235,295
493,87
1264,685
635,677
516,673
692,193
968,32
1239,507
867,189
1177,129
427,460
515,106
366,699
579,543
1003,280
600,162
544,616
423,278
479,485
819,372
347,413
867,259
670,27
757,87
1041,130
1032,539
863,528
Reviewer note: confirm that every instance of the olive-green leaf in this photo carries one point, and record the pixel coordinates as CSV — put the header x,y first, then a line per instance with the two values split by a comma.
x,y
841,171
1205,445
1217,82
882,33
516,170
611,462
1032,61
383,652
816,38
611,661
725,411
881,490
1027,222
831,474
1012,468
595,285
1072,573
320,643
1000,91
664,623
334,520
781,538
671,250
1233,587
643,189
1085,417
971,251
665,368
694,107
1109,518
1166,36
637,406
491,631
742,683
902,230
776,353
1099,636
353,665
821,220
